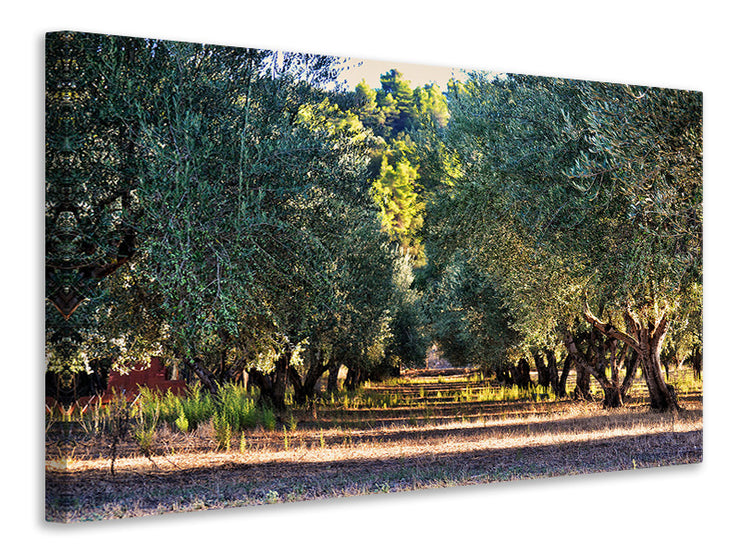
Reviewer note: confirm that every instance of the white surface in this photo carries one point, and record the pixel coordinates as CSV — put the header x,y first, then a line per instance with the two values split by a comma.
x,y
676,44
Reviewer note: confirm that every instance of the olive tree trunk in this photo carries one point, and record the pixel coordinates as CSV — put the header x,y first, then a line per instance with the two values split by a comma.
x,y
520,373
562,382
204,375
543,372
590,364
272,386
552,369
696,361
304,388
647,341
504,373
333,378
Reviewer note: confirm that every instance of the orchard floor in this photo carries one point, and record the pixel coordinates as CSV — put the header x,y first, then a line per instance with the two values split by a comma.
x,y
431,437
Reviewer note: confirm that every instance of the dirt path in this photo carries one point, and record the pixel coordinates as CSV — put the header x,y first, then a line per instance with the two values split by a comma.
x,y
356,462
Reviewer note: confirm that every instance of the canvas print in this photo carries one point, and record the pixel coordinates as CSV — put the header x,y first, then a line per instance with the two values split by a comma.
x,y
277,276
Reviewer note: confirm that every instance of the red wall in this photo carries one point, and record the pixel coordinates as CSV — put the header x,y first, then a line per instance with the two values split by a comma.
x,y
154,377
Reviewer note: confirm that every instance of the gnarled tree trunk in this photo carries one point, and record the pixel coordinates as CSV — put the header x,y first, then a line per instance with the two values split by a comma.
x,y
647,341
567,365
272,386
305,388
204,375
333,377
590,364
543,372
583,383
631,364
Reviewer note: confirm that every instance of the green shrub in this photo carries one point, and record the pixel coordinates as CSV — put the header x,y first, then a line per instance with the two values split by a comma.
x,y
145,435
267,419
181,423
232,410
237,407
149,406
170,407
198,407
222,432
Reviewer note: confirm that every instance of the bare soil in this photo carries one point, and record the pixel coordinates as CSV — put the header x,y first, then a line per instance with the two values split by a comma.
x,y
340,452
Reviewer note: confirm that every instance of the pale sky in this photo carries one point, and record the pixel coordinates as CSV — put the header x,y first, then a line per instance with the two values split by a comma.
x,y
418,74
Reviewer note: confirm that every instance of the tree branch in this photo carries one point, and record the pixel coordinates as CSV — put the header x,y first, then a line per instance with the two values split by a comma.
x,y
609,330
662,325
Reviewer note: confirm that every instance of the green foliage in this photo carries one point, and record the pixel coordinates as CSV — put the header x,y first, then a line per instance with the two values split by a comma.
x,y
149,407
243,217
645,147
233,410
236,408
181,422
222,431
197,407
397,92
145,437
267,419
376,112
395,192
565,191
469,320
431,106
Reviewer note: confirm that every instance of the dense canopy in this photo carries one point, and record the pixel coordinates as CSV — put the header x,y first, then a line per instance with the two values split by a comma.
x,y
230,212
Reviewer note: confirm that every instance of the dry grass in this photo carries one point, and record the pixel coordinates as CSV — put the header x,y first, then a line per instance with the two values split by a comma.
x,y
366,451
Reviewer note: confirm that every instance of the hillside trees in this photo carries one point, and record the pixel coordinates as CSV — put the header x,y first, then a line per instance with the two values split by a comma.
x,y
396,192
404,167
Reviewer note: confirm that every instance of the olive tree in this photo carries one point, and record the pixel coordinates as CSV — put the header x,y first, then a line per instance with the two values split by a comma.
x,y
580,195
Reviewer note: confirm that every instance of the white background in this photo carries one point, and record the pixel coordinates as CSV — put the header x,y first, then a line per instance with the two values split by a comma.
x,y
674,44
